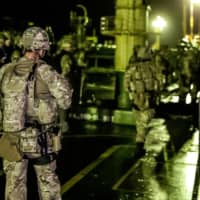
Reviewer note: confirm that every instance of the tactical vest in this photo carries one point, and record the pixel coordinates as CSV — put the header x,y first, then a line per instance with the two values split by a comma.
x,y
25,96
142,82
143,77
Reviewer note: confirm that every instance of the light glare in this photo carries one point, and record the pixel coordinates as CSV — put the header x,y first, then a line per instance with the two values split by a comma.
x,y
195,1
159,23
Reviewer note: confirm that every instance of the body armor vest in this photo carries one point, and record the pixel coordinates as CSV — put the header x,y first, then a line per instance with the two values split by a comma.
x,y
25,96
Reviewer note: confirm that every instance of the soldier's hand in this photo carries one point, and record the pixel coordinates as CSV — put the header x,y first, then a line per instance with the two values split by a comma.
x,y
64,127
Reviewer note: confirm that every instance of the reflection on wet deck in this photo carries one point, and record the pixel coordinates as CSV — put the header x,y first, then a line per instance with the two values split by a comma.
x,y
97,163
117,177
172,180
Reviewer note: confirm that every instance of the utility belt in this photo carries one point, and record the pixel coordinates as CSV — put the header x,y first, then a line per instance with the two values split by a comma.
x,y
40,138
40,127
146,100
42,160
40,143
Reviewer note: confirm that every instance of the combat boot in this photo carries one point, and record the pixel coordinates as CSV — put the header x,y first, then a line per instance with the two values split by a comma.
x,y
139,150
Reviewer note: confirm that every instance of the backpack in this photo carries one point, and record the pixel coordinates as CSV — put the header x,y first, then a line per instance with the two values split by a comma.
x,y
142,76
143,83
20,99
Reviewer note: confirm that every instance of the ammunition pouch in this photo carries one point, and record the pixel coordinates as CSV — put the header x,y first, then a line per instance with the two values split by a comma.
x,y
28,140
9,149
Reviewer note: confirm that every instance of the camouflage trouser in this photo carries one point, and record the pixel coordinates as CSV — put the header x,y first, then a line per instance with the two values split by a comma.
x,y
143,117
16,180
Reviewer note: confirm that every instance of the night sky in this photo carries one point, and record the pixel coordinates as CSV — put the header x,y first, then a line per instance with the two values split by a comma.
x,y
53,13
56,14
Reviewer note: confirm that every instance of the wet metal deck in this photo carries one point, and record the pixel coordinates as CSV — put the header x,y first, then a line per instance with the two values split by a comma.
x,y
97,163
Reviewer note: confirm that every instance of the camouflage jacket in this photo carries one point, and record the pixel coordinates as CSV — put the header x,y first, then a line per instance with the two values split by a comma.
x,y
47,91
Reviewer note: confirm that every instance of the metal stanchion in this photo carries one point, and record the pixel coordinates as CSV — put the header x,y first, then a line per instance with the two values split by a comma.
x,y
197,181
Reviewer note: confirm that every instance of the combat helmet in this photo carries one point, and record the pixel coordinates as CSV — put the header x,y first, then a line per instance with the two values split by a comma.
x,y
35,38
144,53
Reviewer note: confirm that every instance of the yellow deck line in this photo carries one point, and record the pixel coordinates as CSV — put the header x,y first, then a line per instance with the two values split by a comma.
x,y
119,182
75,179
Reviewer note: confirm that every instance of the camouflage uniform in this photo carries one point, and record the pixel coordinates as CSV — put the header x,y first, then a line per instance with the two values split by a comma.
x,y
65,59
143,80
34,132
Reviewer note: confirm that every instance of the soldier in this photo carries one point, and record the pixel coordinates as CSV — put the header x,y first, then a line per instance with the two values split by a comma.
x,y
32,92
143,80
68,68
